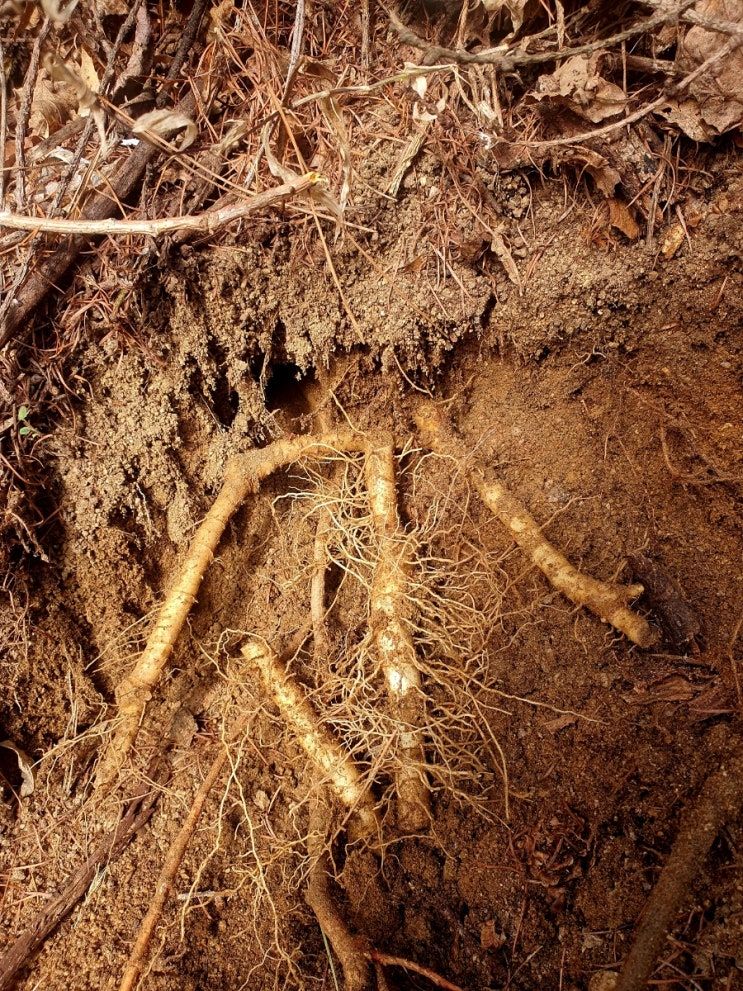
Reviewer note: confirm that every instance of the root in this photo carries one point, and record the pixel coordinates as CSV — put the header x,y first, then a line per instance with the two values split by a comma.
x,y
355,953
138,956
719,802
242,478
351,950
326,754
393,638
609,602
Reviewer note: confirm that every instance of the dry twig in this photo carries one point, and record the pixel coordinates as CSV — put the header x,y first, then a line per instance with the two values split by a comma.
x,y
208,222
49,273
139,810
507,61
173,860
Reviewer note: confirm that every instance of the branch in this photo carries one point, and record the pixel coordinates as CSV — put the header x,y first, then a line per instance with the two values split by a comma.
x,y
140,809
208,221
173,861
507,61
719,802
52,270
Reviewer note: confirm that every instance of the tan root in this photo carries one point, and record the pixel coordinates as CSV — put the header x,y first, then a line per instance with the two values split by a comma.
x,y
166,880
327,756
609,602
392,637
242,478
352,951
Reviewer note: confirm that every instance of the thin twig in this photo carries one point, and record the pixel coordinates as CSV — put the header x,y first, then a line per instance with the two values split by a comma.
x,y
209,221
673,90
188,37
29,84
3,122
386,960
139,811
21,309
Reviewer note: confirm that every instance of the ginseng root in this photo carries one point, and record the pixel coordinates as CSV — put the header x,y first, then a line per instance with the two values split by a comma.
x,y
242,478
337,768
609,602
392,637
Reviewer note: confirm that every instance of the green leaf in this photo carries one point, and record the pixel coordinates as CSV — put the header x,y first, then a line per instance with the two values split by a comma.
x,y
23,412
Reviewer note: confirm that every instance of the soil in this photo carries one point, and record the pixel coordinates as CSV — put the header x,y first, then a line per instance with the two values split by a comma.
x,y
606,395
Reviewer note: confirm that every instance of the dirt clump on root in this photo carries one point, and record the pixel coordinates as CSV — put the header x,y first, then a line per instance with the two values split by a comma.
x,y
558,757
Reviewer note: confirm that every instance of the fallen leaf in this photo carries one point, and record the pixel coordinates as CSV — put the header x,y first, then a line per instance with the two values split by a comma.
x,y
578,86
162,122
621,218
490,937
50,108
561,722
25,766
716,103
516,9
673,688
498,247
672,241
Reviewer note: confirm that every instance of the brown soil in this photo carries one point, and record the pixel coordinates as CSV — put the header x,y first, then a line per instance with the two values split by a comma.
x,y
607,396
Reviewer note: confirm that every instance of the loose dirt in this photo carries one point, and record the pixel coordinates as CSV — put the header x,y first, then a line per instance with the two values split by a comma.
x,y
606,395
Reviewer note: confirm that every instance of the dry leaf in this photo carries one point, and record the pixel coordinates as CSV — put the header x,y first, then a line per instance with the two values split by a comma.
x,y
716,97
578,86
561,722
516,9
621,218
672,241
59,72
163,122
89,78
490,937
674,688
686,115
53,11
25,766
87,99
603,174
50,108
498,247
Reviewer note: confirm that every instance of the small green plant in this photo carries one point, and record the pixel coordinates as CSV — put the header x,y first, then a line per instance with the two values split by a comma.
x,y
26,430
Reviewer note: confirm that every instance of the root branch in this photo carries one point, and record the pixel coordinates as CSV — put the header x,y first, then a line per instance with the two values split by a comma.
x,y
607,601
242,478
326,754
393,639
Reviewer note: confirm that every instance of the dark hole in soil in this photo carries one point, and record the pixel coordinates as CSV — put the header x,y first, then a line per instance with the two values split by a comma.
x,y
285,391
